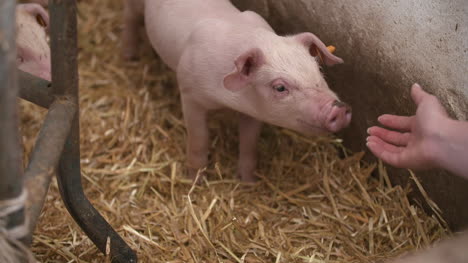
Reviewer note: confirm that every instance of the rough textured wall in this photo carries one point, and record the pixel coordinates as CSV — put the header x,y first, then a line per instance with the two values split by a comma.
x,y
387,46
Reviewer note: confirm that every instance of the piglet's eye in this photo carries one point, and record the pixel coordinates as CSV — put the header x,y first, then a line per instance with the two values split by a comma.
x,y
280,88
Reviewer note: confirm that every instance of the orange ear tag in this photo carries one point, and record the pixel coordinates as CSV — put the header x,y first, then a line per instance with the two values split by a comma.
x,y
330,49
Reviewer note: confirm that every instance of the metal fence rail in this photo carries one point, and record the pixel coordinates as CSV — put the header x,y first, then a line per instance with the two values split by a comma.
x,y
57,148
11,174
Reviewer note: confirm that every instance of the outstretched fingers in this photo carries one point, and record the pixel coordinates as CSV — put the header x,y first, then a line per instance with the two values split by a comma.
x,y
385,145
396,122
392,137
388,153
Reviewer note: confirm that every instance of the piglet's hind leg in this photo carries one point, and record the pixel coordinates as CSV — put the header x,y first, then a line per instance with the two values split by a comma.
x,y
249,132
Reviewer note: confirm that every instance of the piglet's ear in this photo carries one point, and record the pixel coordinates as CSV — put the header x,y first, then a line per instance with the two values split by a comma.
x,y
245,66
317,48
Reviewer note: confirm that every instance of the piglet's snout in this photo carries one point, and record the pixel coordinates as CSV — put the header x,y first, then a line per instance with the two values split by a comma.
x,y
338,117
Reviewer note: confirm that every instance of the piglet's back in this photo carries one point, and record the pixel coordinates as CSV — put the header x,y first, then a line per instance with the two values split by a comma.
x,y
169,23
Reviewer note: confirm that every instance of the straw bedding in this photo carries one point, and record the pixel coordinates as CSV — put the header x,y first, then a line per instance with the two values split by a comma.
x,y
315,201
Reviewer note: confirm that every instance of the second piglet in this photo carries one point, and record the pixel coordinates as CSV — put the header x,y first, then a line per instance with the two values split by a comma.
x,y
33,51
225,58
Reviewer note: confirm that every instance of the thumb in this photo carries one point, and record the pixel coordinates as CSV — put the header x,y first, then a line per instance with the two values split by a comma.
x,y
418,94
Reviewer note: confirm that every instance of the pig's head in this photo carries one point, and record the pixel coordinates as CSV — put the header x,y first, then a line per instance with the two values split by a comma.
x,y
279,81
33,51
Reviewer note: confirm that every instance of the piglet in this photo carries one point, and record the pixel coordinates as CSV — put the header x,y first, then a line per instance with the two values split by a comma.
x,y
33,51
225,58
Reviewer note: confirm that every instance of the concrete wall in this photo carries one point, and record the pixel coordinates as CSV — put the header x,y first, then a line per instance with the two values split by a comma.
x,y
387,46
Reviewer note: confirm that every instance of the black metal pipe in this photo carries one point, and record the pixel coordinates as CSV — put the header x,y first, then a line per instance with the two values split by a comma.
x,y
11,179
45,156
35,89
85,215
65,82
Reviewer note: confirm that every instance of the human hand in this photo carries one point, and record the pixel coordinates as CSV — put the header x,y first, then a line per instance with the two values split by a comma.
x,y
416,142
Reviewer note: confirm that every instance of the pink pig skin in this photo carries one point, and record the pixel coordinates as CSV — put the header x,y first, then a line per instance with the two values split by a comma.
x,y
225,58
33,52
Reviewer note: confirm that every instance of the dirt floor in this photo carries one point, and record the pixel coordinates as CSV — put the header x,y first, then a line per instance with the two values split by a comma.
x,y
315,201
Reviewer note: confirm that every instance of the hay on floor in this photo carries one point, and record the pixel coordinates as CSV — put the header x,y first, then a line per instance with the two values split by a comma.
x,y
310,205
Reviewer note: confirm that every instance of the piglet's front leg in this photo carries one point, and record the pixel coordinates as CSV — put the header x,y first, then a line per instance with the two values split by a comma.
x,y
249,131
195,117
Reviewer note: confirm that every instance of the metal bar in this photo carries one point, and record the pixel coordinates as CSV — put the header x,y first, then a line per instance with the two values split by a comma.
x,y
63,43
65,82
34,89
85,215
11,184
45,156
